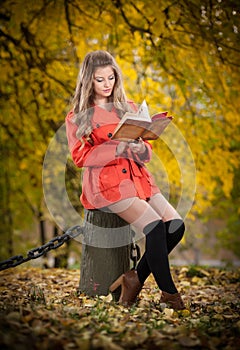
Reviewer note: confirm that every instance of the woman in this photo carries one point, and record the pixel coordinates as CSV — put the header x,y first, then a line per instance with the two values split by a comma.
x,y
116,178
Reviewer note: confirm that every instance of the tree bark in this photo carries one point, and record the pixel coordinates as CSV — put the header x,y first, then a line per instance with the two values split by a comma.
x,y
105,252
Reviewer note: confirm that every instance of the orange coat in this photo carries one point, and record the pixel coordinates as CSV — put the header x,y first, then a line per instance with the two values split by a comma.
x,y
108,178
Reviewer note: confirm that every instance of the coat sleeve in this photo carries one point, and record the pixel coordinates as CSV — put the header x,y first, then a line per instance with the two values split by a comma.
x,y
146,157
84,154
142,158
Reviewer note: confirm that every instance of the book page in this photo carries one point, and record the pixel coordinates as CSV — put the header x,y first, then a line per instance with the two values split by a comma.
x,y
143,113
129,116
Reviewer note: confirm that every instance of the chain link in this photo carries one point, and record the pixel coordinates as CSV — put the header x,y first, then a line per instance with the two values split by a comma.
x,y
135,253
35,253
55,243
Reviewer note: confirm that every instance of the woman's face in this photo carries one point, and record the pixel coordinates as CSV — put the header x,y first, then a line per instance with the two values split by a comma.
x,y
103,83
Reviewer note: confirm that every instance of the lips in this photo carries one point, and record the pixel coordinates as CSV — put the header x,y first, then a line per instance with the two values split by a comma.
x,y
107,91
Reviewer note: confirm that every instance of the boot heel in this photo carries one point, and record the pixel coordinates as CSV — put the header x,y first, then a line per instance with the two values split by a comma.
x,y
116,284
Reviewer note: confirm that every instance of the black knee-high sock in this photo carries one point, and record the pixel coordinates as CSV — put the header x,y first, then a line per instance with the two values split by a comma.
x,y
156,254
174,232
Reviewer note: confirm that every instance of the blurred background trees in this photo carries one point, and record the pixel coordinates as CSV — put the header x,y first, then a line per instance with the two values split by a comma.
x,y
180,56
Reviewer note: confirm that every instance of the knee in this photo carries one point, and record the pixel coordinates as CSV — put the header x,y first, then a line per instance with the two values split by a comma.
x,y
176,227
181,229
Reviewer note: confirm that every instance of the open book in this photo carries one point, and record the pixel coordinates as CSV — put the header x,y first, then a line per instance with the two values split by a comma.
x,y
140,124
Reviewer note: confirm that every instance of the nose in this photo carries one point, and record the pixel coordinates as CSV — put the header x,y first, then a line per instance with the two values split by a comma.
x,y
106,83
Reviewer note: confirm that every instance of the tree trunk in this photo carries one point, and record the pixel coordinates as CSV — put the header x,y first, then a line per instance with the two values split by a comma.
x,y
61,255
6,228
105,252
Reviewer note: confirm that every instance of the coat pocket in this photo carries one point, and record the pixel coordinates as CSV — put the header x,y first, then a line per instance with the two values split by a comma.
x,y
109,178
102,179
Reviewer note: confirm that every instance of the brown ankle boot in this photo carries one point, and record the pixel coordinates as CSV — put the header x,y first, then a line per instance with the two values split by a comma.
x,y
130,287
173,300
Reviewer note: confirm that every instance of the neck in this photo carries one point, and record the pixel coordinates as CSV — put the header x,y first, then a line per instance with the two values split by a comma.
x,y
100,101
103,103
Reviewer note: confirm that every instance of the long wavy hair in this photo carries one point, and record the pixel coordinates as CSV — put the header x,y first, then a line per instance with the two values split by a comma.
x,y
83,100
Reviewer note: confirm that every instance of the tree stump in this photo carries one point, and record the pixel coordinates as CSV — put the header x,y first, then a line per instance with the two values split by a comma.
x,y
105,252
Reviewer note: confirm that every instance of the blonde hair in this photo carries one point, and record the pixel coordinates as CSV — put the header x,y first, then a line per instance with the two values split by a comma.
x,y
83,100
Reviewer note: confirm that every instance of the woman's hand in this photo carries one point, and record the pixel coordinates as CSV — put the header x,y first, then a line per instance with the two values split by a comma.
x,y
122,147
137,147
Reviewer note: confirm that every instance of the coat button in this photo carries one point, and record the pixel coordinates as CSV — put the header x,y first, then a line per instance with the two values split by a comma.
x,y
124,171
109,135
98,126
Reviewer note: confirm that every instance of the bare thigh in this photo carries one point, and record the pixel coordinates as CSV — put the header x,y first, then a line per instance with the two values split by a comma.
x,y
160,204
136,212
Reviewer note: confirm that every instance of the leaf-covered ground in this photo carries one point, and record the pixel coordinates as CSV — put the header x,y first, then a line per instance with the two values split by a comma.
x,y
42,309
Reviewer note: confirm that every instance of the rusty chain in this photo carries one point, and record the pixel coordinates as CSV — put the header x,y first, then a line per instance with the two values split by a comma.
x,y
135,253
55,243
35,253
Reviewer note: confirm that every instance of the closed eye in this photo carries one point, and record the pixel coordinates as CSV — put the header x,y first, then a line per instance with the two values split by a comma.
x,y
100,79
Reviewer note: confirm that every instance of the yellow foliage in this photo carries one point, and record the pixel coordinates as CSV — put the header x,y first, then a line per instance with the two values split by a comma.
x,y
177,61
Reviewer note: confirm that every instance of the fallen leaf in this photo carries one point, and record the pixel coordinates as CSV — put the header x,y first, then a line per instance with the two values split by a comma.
x,y
189,342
